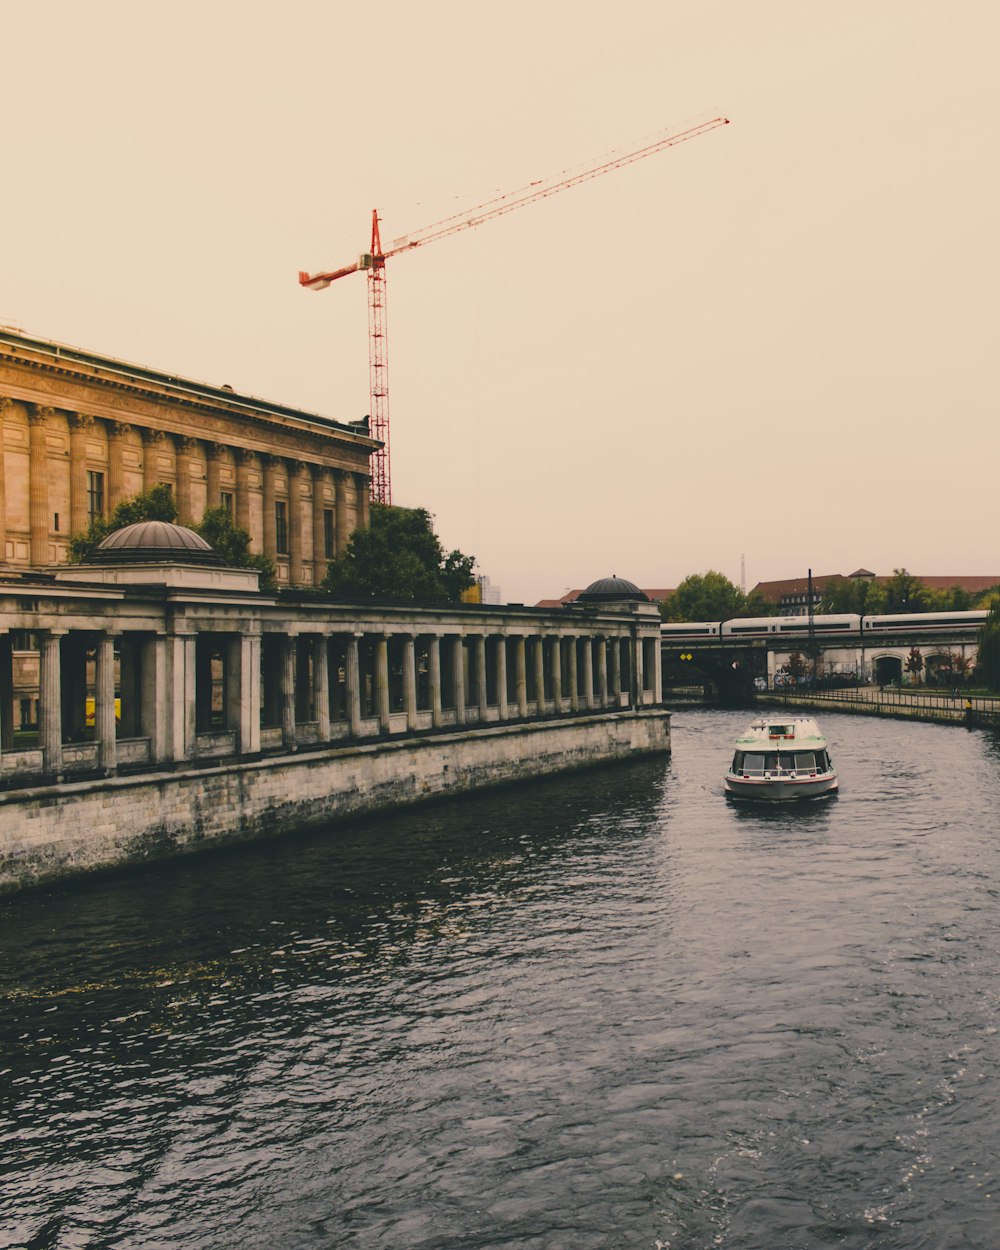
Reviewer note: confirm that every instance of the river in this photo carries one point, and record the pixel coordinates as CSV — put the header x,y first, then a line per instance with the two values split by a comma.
x,y
610,1010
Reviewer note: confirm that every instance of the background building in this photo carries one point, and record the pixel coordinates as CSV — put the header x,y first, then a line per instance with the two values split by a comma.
x,y
81,432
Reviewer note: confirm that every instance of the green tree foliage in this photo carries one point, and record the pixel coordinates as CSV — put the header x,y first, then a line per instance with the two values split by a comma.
x,y
861,595
399,557
156,504
988,638
914,663
985,600
233,544
707,596
905,593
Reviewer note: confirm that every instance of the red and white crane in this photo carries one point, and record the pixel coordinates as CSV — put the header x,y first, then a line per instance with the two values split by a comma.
x,y
373,261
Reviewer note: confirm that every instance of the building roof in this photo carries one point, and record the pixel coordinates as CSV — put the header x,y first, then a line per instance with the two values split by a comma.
x,y
151,541
655,595
774,592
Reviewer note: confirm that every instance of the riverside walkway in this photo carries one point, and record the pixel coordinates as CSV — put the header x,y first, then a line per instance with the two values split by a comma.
x,y
907,704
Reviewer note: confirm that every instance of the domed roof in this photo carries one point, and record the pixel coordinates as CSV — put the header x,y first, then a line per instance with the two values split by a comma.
x,y
155,540
608,589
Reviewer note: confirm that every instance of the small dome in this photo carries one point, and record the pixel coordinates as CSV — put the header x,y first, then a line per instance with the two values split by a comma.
x,y
155,540
609,589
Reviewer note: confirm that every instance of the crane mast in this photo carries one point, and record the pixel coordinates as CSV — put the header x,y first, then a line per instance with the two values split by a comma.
x,y
374,260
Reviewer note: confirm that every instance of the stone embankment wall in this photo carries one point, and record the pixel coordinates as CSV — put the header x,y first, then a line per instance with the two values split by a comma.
x,y
960,709
58,831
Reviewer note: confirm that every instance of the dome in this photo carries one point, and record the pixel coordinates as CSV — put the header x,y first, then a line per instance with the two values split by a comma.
x,y
611,589
155,540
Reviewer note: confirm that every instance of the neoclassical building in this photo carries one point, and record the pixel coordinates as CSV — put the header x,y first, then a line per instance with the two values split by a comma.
x,y
81,432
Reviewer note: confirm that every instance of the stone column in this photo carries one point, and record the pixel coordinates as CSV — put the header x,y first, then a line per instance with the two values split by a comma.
x,y
49,702
5,404
321,685
185,454
104,706
296,473
382,683
270,465
557,674
182,650
501,667
410,681
244,460
79,424
539,657
588,672
362,488
352,683
213,474
434,678
616,672
637,669
602,672
574,677
155,699
320,477
481,698
6,691
521,678
340,479
153,442
117,433
38,483
458,678
288,658
657,672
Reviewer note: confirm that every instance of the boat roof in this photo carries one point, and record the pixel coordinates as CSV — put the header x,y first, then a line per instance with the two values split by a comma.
x,y
783,733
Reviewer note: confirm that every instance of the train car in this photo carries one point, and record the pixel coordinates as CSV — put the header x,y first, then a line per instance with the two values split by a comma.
x,y
840,623
682,630
916,621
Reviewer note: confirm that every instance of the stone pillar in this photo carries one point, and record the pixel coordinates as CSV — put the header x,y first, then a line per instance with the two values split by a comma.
x,y
352,682
340,479
270,465
382,683
616,672
501,667
38,483
481,698
320,477
213,474
6,691
557,674
602,672
5,404
637,669
410,681
434,678
185,455
288,658
657,672
521,677
155,699
49,702
362,489
539,657
153,442
79,424
183,688
296,474
104,706
117,433
321,686
244,460
587,697
458,678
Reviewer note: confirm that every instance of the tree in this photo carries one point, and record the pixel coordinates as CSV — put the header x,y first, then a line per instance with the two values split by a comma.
x,y
233,544
156,504
985,600
988,639
399,557
914,663
905,593
705,597
861,595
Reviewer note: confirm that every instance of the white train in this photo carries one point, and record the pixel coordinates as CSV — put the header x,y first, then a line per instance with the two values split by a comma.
x,y
837,625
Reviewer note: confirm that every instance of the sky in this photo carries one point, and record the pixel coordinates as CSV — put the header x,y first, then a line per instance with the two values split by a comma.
x,y
770,349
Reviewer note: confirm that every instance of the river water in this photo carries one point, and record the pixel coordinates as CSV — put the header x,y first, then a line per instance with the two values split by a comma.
x,y
608,1010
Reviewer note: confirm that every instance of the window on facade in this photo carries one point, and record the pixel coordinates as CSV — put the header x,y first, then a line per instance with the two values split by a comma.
x,y
281,527
329,546
226,500
95,495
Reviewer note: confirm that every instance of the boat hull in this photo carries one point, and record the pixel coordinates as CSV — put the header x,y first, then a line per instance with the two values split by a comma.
x,y
781,790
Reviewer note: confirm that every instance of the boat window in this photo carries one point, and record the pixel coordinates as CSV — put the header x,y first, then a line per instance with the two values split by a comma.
x,y
822,762
738,762
770,761
752,763
805,761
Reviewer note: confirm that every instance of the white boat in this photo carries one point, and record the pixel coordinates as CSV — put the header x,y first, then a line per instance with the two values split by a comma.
x,y
784,758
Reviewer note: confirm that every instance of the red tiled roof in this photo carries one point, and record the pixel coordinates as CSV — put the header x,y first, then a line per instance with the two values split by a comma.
x,y
776,591
656,596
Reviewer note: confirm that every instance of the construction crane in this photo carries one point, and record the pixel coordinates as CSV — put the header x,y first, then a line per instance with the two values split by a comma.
x,y
373,262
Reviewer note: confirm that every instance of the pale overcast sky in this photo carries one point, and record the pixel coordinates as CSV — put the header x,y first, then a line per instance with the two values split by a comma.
x,y
778,340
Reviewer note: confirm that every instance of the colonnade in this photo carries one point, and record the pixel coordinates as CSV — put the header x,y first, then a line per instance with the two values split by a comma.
x,y
139,700
97,487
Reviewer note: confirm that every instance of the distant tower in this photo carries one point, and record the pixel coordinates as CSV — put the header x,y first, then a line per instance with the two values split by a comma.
x,y
743,575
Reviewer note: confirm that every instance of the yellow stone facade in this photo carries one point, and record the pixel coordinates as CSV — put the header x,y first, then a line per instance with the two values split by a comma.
x,y
81,432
